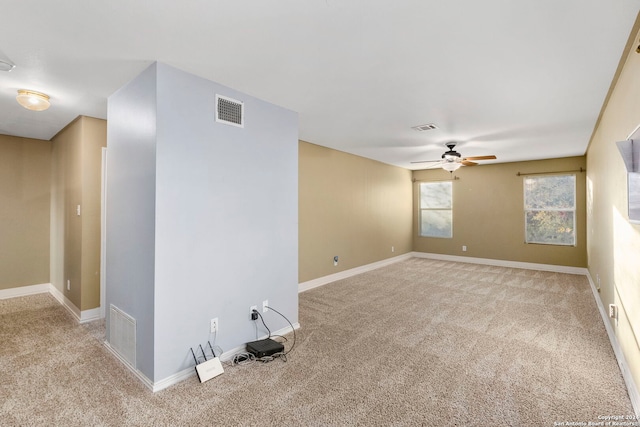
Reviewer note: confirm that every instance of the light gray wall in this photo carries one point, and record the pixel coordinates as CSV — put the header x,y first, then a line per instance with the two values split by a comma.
x,y
226,217
130,216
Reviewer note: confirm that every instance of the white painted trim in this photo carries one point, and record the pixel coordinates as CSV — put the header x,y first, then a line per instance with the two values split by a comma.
x,y
314,283
81,316
66,302
56,294
632,388
229,354
90,315
189,372
142,377
23,291
173,379
320,281
103,234
503,263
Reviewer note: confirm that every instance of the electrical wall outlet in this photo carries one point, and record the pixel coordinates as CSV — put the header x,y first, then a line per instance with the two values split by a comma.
x,y
613,311
265,306
251,309
335,260
464,248
598,282
393,249
68,284
214,325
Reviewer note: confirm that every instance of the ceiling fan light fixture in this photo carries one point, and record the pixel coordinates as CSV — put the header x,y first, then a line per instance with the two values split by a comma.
x,y
32,100
451,166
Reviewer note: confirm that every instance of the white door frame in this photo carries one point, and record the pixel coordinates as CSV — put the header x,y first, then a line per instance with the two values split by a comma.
x,y
103,235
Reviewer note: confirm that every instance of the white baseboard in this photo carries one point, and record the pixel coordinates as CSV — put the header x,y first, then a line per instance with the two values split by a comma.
x,y
632,389
229,354
66,303
314,283
503,263
189,372
81,316
23,291
56,294
173,379
142,377
90,315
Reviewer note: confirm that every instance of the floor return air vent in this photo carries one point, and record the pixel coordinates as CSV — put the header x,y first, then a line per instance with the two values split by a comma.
x,y
122,334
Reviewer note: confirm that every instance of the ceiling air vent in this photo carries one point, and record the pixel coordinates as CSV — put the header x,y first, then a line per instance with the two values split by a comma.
x,y
422,128
229,111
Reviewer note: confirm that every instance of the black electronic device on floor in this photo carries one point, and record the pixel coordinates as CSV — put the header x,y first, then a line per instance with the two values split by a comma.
x,y
265,347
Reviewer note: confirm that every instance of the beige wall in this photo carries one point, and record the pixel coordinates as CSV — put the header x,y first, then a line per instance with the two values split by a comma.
x,y
488,214
614,243
352,207
65,225
94,139
24,211
75,240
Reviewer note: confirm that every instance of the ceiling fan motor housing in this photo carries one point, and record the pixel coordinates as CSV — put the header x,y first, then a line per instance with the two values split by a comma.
x,y
451,155
452,160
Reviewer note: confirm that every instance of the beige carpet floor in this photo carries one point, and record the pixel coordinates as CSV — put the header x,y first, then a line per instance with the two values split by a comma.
x,y
420,342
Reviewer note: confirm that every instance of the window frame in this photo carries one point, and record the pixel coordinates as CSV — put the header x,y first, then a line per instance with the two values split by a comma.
x,y
548,209
422,209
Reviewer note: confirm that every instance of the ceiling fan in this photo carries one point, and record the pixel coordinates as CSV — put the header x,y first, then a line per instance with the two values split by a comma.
x,y
452,160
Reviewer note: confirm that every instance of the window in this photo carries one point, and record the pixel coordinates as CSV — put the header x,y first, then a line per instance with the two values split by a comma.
x,y
550,209
436,217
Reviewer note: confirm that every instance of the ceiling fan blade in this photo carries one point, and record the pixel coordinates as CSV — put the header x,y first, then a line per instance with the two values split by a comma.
x,y
427,161
429,167
434,164
468,163
481,158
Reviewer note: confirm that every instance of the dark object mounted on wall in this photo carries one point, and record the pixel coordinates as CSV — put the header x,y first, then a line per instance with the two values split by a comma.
x,y
630,151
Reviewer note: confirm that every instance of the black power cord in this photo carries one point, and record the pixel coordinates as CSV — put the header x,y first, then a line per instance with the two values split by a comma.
x,y
261,318
243,358
292,328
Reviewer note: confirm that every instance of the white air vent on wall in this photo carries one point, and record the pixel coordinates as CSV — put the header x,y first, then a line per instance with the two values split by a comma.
x,y
122,334
229,111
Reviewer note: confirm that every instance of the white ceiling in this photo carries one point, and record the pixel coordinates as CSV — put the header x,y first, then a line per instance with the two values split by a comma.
x,y
519,79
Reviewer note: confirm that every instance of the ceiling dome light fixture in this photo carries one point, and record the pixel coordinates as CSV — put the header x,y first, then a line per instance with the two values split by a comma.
x,y
32,100
6,65
451,166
